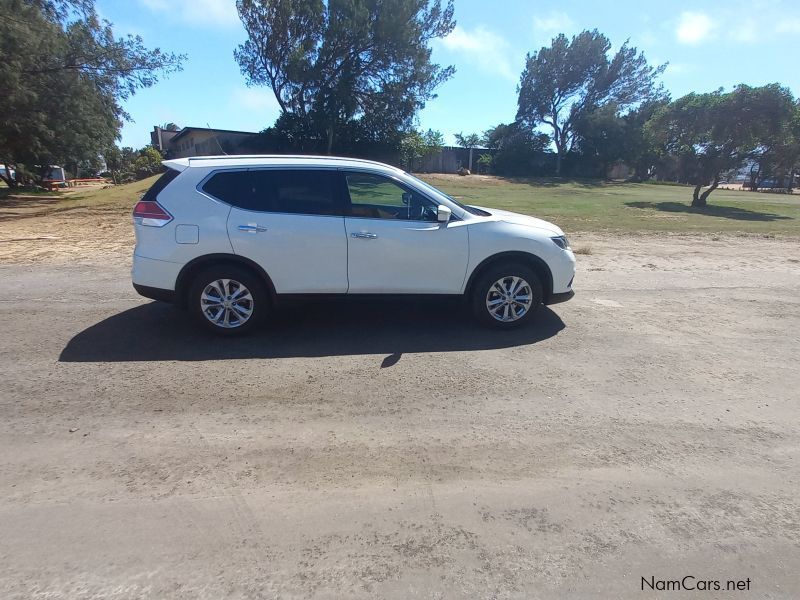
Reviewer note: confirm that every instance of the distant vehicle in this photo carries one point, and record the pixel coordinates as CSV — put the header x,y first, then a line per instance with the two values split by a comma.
x,y
229,236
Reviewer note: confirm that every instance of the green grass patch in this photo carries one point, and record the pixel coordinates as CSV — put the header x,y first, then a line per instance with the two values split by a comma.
x,y
637,207
576,206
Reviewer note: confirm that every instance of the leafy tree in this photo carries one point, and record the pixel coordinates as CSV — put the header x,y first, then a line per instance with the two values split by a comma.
x,y
711,134
571,78
469,141
778,151
64,75
519,150
332,63
148,162
605,137
485,162
416,145
170,127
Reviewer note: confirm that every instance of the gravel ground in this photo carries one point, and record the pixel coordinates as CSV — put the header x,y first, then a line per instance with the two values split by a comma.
x,y
648,428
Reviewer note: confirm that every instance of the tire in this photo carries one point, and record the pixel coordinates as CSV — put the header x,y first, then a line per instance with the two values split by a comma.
x,y
240,309
514,308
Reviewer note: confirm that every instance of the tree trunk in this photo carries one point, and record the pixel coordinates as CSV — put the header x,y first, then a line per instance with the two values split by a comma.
x,y
559,152
5,175
330,139
701,201
470,160
696,196
754,176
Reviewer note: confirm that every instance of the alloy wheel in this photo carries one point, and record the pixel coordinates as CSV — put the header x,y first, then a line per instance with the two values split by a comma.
x,y
226,303
509,299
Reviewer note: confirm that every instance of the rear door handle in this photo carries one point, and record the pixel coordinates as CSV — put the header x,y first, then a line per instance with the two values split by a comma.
x,y
364,236
252,228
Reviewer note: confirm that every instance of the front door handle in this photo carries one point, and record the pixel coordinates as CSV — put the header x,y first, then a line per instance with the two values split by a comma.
x,y
364,236
252,228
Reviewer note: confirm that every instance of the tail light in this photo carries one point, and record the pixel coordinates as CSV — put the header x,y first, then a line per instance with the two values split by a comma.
x,y
150,214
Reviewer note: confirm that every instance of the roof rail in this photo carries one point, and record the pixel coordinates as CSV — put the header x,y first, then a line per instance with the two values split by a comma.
x,y
284,156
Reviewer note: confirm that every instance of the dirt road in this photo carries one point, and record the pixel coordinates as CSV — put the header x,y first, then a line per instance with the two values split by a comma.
x,y
649,428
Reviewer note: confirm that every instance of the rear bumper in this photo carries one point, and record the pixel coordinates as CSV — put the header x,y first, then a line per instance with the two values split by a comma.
x,y
558,298
155,293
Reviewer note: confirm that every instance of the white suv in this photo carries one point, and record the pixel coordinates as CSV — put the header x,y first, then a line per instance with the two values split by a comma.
x,y
228,236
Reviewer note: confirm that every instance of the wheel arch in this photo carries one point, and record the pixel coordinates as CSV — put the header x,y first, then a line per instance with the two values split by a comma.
x,y
535,263
193,267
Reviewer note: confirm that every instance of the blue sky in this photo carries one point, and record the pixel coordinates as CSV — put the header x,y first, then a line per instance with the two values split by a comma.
x,y
708,44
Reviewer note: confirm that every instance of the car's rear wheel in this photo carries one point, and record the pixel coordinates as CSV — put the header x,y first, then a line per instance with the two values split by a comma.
x,y
507,296
228,300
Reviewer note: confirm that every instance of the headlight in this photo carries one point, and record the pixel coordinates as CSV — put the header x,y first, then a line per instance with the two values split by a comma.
x,y
561,242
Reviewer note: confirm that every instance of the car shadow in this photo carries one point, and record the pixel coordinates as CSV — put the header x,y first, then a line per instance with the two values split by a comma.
x,y
157,331
712,210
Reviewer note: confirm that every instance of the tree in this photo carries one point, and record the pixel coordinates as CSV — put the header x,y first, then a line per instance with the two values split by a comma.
x,y
711,134
332,63
469,141
778,151
605,137
570,78
170,127
64,75
519,150
416,145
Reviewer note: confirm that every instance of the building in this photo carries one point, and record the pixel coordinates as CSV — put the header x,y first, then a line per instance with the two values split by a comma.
x,y
199,141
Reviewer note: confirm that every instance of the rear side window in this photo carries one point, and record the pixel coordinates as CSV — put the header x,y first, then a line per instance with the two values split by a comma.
x,y
162,182
237,188
301,191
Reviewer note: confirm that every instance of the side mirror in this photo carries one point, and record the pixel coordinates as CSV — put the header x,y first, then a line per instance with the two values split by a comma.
x,y
443,213
407,196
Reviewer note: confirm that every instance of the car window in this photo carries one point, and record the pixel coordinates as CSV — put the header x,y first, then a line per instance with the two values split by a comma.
x,y
237,188
300,191
378,197
161,183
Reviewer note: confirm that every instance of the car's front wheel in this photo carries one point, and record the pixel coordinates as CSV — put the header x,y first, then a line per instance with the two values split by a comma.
x,y
228,300
507,296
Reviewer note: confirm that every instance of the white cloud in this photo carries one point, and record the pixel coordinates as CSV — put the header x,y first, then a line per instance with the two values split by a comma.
x,y
218,13
484,48
694,27
553,23
255,99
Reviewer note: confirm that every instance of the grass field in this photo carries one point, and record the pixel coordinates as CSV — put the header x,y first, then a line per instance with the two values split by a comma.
x,y
605,206
576,206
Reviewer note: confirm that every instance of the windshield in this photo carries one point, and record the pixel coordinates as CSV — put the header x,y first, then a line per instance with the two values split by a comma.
x,y
470,209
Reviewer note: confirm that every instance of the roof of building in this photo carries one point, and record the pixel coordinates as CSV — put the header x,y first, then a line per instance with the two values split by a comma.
x,y
188,129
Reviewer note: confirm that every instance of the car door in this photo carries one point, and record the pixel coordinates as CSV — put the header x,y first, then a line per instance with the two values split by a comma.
x,y
290,222
395,244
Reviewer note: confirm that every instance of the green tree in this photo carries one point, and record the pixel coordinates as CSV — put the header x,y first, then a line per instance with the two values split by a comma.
x,y
605,137
711,134
148,162
416,145
64,75
469,141
519,150
778,150
570,78
332,63
485,162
